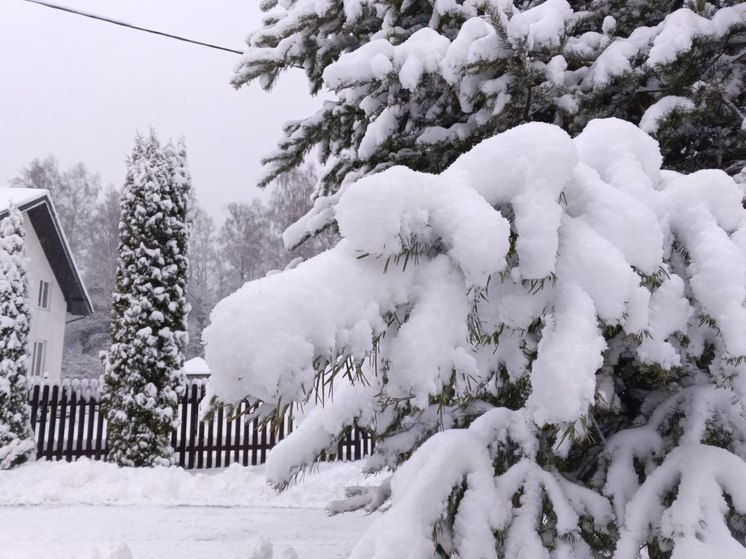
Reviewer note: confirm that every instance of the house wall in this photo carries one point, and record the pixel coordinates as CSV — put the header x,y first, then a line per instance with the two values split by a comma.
x,y
46,325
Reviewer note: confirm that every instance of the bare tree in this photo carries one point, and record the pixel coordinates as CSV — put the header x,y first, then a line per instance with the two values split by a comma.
x,y
74,194
292,197
86,338
248,247
204,269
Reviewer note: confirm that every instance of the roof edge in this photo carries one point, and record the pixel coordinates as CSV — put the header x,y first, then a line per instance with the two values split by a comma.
x,y
45,200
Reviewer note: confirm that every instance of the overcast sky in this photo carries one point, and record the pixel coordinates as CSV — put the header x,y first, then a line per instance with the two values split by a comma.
x,y
79,89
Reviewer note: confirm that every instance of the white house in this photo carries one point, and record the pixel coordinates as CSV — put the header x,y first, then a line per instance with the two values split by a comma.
x,y
56,290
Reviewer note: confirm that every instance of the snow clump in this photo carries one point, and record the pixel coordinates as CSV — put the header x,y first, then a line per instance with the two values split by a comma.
x,y
548,340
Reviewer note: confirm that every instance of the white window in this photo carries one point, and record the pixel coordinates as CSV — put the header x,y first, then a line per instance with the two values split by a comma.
x,y
44,294
38,356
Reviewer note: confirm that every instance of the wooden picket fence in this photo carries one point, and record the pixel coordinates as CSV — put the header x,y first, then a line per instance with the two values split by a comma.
x,y
68,424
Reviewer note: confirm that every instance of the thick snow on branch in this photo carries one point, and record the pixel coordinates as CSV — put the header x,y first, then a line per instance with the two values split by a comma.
x,y
661,109
521,278
557,198
17,443
664,43
449,73
463,460
318,431
701,476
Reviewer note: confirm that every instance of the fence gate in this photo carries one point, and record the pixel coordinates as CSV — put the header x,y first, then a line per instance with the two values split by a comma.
x,y
68,424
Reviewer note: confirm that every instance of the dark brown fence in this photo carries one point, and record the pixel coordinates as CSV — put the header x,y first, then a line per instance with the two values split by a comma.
x,y
67,424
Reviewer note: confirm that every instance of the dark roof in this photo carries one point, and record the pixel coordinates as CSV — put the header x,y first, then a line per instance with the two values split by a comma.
x,y
43,217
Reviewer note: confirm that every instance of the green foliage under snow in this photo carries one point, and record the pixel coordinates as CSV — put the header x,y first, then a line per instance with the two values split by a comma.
x,y
418,83
16,437
143,367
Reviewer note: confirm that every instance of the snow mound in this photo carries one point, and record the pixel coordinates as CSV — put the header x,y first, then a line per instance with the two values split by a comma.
x,y
99,483
263,549
118,551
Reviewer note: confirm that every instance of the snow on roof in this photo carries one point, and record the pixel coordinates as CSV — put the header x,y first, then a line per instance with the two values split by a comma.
x,y
37,204
196,366
19,196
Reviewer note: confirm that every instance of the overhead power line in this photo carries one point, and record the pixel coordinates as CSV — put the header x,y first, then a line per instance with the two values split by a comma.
x,y
130,26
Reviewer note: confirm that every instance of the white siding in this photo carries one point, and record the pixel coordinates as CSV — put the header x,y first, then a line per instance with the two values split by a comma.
x,y
46,325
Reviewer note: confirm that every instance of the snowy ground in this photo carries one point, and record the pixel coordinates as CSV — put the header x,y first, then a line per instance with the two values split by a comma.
x,y
85,510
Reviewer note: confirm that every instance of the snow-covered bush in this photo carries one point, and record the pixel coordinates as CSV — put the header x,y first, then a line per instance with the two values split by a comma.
x,y
16,436
547,339
115,551
419,83
143,367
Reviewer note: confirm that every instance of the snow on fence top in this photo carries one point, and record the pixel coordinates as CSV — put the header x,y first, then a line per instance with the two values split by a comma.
x,y
90,387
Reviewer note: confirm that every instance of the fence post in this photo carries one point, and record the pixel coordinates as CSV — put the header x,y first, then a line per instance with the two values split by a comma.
x,y
219,441
246,434
34,406
193,418
229,435
63,418
52,421
101,450
81,422
40,447
237,438
201,424
91,424
263,443
254,443
210,442
71,423
183,426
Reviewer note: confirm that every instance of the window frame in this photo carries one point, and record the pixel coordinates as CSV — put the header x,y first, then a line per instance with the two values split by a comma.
x,y
45,295
38,358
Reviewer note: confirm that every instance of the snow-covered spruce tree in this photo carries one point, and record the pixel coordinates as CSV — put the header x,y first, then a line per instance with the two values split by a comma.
x,y
547,340
418,83
16,437
143,367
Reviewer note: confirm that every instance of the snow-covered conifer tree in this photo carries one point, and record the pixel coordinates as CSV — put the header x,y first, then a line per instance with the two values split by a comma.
x,y
143,367
16,437
548,340
419,83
